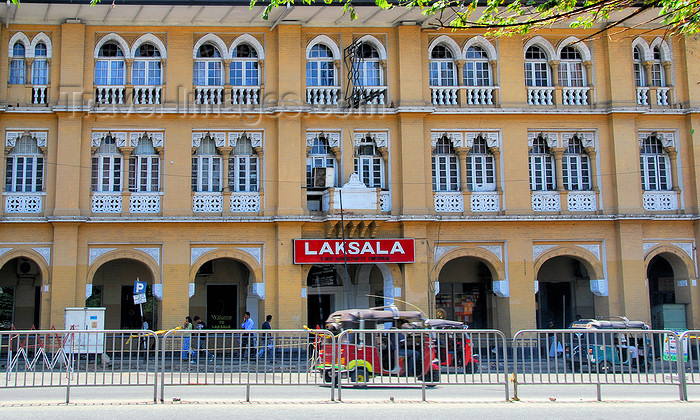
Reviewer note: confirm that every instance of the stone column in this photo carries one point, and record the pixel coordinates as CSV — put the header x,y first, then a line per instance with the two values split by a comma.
x,y
495,82
555,82
126,194
591,152
673,157
225,190
558,174
462,153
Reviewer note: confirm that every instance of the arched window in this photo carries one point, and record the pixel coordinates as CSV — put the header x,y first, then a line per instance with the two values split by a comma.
x,y
244,66
147,68
40,66
24,169
571,71
658,76
369,165
107,167
444,166
541,165
477,70
320,69
207,66
320,156
206,167
639,75
243,167
654,165
144,167
17,65
576,167
368,69
480,167
536,67
442,67
109,69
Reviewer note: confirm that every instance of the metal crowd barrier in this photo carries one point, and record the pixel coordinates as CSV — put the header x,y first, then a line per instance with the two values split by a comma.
x,y
359,358
417,358
70,358
689,346
597,357
243,357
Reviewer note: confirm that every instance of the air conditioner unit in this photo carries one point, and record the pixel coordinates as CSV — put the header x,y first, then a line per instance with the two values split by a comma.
x,y
26,268
323,177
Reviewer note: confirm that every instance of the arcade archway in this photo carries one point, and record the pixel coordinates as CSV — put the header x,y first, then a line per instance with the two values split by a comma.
x,y
113,289
20,294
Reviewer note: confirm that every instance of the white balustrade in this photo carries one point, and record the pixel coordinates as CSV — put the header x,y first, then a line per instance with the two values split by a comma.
x,y
322,95
662,96
245,95
106,202
643,96
384,201
444,95
581,201
540,95
23,203
484,202
546,201
660,200
245,202
40,95
144,203
377,95
480,95
111,95
575,96
208,95
203,202
449,202
147,95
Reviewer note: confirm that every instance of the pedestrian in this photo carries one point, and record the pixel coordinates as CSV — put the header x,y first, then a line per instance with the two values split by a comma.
x,y
267,342
246,338
202,338
187,326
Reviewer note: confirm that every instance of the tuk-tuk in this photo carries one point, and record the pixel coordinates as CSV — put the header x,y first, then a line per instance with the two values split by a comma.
x,y
605,352
390,349
453,350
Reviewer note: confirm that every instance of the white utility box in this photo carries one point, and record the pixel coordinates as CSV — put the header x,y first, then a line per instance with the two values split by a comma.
x,y
85,319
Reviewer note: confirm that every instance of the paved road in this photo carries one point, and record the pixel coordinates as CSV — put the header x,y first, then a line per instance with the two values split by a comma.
x,y
313,402
366,410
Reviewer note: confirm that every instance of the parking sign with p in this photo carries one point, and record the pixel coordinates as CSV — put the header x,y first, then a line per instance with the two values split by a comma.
x,y
139,287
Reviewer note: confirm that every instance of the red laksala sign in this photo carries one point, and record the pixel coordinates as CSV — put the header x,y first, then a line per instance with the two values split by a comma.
x,y
359,251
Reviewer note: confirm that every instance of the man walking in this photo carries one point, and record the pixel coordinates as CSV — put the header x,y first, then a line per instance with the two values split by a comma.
x,y
246,338
266,342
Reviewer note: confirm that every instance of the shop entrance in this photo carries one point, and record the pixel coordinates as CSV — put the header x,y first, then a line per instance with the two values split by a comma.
x,y
369,285
564,293
220,294
319,309
667,302
465,293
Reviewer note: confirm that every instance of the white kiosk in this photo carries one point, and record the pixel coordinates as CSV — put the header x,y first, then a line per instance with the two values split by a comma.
x,y
84,319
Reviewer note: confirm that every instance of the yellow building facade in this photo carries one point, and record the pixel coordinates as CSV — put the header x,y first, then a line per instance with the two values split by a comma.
x,y
195,147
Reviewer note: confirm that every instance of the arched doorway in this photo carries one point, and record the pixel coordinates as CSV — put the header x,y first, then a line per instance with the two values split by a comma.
x,y
221,294
113,289
667,299
564,293
371,285
20,294
465,293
